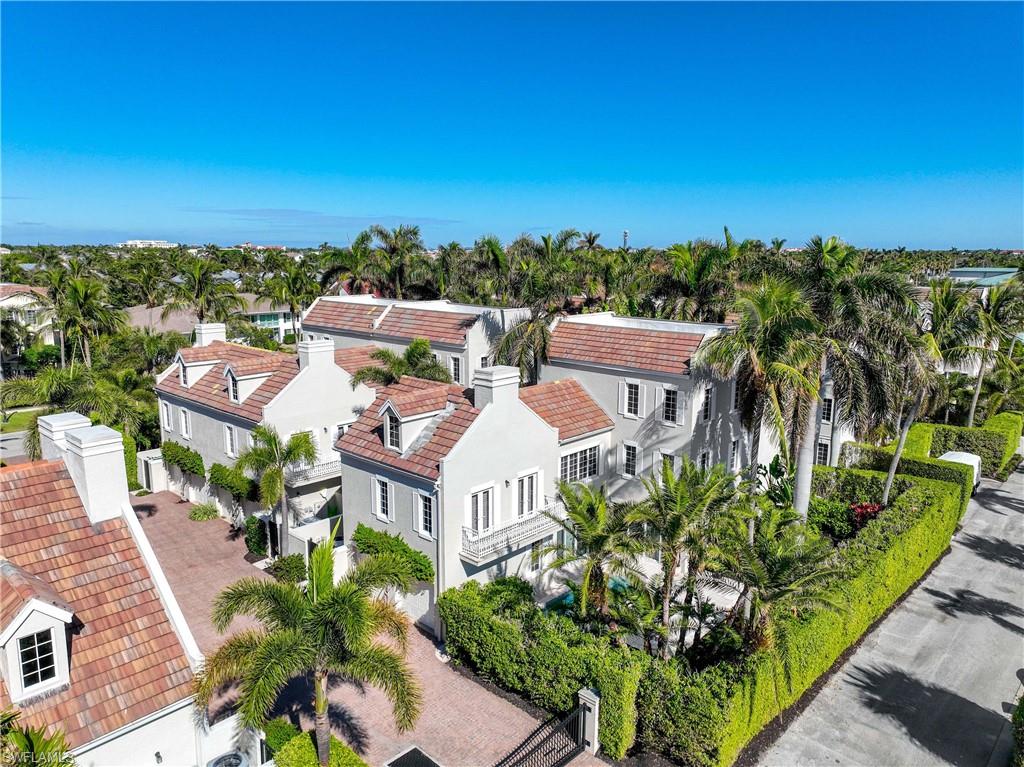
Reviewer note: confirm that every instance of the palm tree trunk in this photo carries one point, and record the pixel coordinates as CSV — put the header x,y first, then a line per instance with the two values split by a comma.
x,y
322,725
977,389
86,351
899,445
282,544
63,363
691,593
805,456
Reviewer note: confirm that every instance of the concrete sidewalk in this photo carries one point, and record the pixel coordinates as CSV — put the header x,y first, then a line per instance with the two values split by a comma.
x,y
933,683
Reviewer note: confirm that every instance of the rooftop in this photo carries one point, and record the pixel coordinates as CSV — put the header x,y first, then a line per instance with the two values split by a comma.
x,y
184,322
568,407
8,289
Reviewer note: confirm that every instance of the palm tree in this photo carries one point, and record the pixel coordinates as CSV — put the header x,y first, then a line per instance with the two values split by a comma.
x,y
271,459
1000,315
86,313
203,291
149,277
417,361
400,255
447,266
525,345
23,744
634,610
315,631
354,263
679,513
294,287
601,539
697,283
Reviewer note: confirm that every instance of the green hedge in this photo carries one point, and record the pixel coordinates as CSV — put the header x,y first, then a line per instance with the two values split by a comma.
x,y
988,444
1009,425
919,440
878,459
1009,468
300,751
277,732
291,568
1017,725
131,465
543,657
707,718
370,541
234,481
256,536
184,458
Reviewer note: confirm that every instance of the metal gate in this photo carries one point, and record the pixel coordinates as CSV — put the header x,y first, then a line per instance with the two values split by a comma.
x,y
553,744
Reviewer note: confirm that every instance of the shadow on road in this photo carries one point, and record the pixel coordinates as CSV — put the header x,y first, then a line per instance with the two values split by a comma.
x,y
965,601
296,703
994,549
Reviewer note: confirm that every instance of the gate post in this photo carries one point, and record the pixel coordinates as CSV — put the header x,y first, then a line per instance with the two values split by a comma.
x,y
590,701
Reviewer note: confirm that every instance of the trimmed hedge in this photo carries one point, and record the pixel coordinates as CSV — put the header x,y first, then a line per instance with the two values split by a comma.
x,y
1009,468
1017,725
707,718
234,481
300,751
290,568
184,458
988,444
256,536
369,541
919,440
277,732
543,657
878,459
1010,425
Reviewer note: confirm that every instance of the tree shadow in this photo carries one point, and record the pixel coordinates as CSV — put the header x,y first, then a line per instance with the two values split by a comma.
x,y
994,549
956,730
145,509
993,499
965,601
296,703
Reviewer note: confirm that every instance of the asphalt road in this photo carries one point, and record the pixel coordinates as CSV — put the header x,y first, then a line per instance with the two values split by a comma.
x,y
11,445
933,683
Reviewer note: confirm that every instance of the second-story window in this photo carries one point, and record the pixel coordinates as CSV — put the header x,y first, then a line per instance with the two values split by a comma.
x,y
821,454
183,374
735,395
480,511
394,431
527,494
706,406
579,465
670,407
233,387
484,362
229,441
632,399
826,410
185,423
629,460
38,662
427,515
704,460
734,455
457,369
165,416
383,499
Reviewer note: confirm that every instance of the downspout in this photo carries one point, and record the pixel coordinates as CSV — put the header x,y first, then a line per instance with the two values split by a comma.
x,y
439,576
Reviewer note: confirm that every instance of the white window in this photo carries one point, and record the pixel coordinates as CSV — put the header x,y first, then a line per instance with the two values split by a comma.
x,y
456,369
629,460
229,441
233,387
394,431
527,494
670,406
485,362
632,399
185,422
183,374
707,405
250,440
383,499
480,511
579,465
734,455
535,557
735,395
821,454
426,515
703,462
38,661
165,416
826,410
668,461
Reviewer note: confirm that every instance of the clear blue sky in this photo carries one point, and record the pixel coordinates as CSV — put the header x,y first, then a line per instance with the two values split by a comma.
x,y
887,124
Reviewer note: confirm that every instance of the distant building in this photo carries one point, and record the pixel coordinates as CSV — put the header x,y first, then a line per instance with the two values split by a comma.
x,y
983,276
26,304
147,244
259,311
250,246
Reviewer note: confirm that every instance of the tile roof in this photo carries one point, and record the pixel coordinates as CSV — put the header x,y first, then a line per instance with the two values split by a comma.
x,y
420,402
185,320
354,359
343,315
8,289
447,327
423,458
567,406
19,587
127,661
661,351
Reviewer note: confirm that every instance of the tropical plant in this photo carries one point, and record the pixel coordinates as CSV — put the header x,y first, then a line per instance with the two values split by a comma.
x,y
417,360
24,744
319,630
1000,317
696,284
295,287
354,264
525,345
84,314
399,256
202,290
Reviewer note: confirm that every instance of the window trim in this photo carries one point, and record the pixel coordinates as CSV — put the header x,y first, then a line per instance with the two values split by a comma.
x,y
185,423
234,393
704,459
631,386
382,487
422,499
637,467
485,361
665,389
817,453
392,429
166,419
183,374
230,441
735,396
734,456
827,418
455,367
490,490
707,405
577,452
523,478
42,682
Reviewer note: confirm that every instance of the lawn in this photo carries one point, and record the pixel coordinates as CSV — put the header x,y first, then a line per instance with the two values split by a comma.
x,y
18,421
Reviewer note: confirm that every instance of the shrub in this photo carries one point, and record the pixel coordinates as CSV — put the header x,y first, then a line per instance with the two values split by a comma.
x,y
1017,725
289,338
919,440
277,732
184,458
36,357
232,480
1009,425
256,536
300,751
371,542
833,518
988,444
131,466
203,512
290,568
1010,467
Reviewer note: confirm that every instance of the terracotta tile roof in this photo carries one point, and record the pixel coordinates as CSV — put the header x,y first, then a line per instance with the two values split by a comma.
x,y
420,402
567,406
343,315
365,438
356,358
127,662
8,289
18,587
439,327
640,348
211,389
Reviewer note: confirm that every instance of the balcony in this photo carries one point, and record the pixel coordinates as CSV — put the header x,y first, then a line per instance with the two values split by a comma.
x,y
314,472
480,548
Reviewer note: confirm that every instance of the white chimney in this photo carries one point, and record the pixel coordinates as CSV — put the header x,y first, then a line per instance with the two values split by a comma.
x,y
318,354
95,461
497,385
207,333
52,429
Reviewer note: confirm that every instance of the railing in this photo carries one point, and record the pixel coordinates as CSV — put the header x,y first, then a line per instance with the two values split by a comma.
x,y
553,744
483,546
316,471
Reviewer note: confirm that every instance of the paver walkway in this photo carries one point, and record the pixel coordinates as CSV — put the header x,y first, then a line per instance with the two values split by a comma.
x,y
933,683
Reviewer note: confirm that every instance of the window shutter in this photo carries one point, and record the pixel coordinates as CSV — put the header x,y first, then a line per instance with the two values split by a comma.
x,y
416,521
643,401
680,407
659,401
622,397
391,502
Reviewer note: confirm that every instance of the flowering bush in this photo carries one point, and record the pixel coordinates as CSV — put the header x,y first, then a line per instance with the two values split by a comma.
x,y
864,512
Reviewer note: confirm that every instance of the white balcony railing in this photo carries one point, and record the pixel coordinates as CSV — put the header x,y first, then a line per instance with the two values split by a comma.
x,y
481,547
316,471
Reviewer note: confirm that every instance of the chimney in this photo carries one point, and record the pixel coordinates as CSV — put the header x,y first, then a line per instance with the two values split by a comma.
x,y
317,354
497,385
52,429
95,461
207,333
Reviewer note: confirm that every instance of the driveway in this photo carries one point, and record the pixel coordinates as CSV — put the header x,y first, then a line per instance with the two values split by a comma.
x,y
933,683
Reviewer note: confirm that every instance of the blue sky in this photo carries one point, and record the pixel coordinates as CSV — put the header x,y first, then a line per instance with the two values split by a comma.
x,y
888,124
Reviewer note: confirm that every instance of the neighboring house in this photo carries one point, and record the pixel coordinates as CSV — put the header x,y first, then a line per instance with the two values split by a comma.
x,y
464,475
982,277
134,244
639,370
259,311
27,304
215,393
92,640
461,335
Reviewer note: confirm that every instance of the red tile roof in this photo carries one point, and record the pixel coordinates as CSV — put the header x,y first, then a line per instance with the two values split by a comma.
x,y
640,348
446,327
365,438
343,315
356,358
8,289
567,406
18,587
126,661
420,401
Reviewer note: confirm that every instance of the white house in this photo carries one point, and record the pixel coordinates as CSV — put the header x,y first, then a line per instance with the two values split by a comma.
x,y
27,304
259,311
92,639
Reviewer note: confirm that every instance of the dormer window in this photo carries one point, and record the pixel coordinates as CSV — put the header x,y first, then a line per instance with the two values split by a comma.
x,y
233,387
183,374
393,431
38,661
